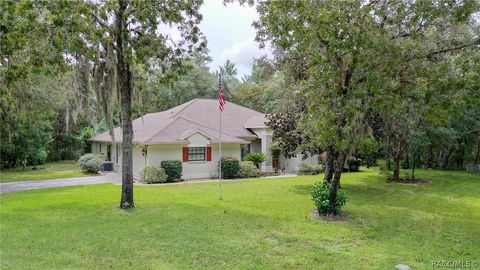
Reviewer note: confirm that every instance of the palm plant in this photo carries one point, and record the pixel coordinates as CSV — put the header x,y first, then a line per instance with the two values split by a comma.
x,y
256,158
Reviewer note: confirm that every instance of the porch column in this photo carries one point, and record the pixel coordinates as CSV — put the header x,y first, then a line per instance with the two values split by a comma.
x,y
267,164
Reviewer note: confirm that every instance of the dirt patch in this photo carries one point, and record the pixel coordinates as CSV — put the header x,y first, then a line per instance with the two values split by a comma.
x,y
340,217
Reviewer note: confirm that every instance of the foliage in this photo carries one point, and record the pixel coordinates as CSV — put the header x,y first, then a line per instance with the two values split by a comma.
x,y
227,72
248,170
354,164
310,169
173,169
284,122
230,167
368,151
386,172
91,163
256,158
321,193
153,175
262,89
276,149
365,59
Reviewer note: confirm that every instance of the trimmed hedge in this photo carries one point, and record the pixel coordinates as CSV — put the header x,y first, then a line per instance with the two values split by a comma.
x,y
173,169
153,175
310,169
91,163
230,167
248,170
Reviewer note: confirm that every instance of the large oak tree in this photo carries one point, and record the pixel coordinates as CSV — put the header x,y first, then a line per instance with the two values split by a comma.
x,y
123,35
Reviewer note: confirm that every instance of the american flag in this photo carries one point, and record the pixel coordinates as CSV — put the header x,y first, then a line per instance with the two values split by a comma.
x,y
221,97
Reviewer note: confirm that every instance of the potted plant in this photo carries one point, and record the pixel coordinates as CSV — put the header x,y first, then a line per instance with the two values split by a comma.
x,y
276,151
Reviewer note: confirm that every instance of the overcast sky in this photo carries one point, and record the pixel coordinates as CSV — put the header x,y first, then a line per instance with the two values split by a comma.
x,y
230,34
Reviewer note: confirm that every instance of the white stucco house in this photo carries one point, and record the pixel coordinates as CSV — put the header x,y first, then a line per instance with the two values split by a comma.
x,y
190,133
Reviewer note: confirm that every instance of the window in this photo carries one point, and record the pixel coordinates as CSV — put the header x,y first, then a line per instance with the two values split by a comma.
x,y
196,153
245,150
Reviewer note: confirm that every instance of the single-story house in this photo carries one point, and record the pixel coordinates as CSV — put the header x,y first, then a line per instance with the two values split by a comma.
x,y
191,133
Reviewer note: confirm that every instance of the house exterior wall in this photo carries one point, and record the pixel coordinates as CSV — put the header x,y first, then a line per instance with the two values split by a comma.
x,y
101,147
157,153
293,164
191,169
198,139
256,146
139,160
265,135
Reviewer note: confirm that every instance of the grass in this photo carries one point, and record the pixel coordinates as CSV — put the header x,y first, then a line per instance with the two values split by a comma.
x,y
51,170
262,224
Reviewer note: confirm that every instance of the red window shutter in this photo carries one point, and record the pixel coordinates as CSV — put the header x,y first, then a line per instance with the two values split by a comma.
x,y
185,154
209,153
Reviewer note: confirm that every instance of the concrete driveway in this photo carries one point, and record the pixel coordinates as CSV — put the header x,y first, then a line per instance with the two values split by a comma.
x,y
65,182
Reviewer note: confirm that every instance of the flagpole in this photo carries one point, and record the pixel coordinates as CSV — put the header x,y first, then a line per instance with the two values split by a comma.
x,y
220,146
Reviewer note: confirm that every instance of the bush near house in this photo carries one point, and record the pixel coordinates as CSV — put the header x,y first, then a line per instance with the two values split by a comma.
x,y
248,170
321,193
91,163
310,169
173,169
230,167
153,175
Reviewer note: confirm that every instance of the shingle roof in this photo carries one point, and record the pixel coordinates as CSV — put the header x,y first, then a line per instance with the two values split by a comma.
x,y
201,115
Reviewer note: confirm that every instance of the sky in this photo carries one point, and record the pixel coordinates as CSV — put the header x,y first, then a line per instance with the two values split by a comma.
x,y
230,34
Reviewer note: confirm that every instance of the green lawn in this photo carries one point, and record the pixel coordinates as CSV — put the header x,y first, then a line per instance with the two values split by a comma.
x,y
52,170
262,224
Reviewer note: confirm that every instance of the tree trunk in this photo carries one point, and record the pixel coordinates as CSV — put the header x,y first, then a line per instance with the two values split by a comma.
x,y
413,165
125,88
388,154
430,157
398,156
477,156
329,164
446,159
332,198
406,164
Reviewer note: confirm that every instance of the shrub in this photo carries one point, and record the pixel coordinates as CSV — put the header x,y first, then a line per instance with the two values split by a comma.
x,y
91,163
256,158
321,194
248,170
382,165
38,157
354,164
276,149
230,167
173,169
153,175
310,169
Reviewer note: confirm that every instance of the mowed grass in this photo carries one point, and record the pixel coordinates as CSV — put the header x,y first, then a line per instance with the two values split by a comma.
x,y
51,170
260,224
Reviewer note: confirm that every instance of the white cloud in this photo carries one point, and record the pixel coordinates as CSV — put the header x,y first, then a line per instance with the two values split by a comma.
x,y
230,34
242,54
